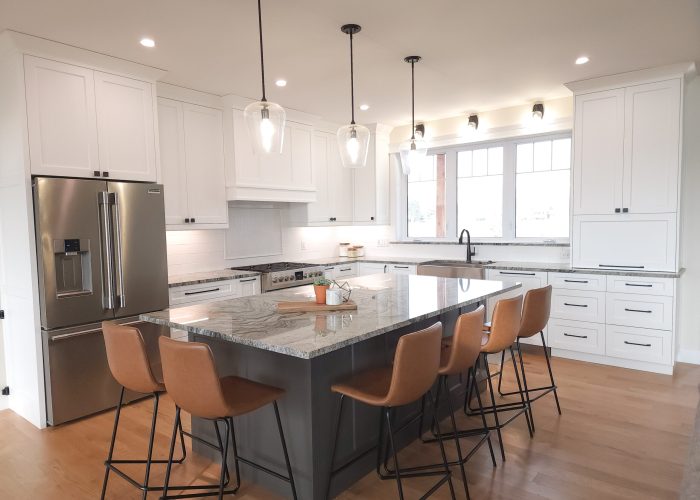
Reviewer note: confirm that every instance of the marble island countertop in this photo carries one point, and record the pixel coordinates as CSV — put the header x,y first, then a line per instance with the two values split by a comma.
x,y
385,303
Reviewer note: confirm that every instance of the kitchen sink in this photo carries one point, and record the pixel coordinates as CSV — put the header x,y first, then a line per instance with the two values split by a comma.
x,y
453,268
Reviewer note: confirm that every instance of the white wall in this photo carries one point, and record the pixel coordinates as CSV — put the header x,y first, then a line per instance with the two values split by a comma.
x,y
689,313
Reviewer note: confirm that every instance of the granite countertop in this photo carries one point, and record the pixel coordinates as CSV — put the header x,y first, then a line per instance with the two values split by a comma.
x,y
332,261
385,303
565,267
207,277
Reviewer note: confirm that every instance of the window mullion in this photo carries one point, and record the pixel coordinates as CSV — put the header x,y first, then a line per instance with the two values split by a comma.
x,y
509,190
451,194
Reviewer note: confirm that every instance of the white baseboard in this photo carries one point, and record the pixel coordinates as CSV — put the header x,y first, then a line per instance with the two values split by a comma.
x,y
688,356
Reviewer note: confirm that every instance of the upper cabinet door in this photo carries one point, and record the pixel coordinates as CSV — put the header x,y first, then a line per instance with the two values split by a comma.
x,y
340,184
204,158
302,167
652,147
125,128
598,152
61,118
319,211
172,160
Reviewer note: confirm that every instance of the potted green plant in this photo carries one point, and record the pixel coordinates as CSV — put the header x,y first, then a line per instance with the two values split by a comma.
x,y
320,287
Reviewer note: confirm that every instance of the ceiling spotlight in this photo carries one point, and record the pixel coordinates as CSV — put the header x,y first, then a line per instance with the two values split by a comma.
x,y
364,107
473,122
538,111
281,83
582,60
148,42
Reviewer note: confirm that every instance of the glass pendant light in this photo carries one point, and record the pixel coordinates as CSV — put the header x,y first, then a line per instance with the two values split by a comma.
x,y
353,139
413,152
265,119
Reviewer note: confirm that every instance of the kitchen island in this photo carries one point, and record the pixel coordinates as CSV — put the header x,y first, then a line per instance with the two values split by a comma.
x,y
305,353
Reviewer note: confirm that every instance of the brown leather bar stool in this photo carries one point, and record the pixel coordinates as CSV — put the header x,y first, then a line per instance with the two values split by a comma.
x,y
500,336
129,364
195,386
536,308
459,355
415,368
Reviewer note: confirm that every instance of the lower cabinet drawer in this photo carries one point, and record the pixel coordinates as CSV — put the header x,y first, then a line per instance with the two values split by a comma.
x,y
203,292
578,305
345,271
577,336
639,344
644,311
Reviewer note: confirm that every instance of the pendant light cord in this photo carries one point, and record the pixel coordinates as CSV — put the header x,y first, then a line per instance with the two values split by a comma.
x,y
262,59
413,101
352,83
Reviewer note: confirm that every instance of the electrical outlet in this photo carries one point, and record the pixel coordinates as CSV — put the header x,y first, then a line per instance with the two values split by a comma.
x,y
565,252
382,243
304,246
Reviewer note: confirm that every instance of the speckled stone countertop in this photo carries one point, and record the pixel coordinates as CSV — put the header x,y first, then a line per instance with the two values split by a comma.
x,y
385,303
488,243
561,267
207,277
332,261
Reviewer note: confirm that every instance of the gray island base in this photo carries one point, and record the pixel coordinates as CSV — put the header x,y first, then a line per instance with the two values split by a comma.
x,y
305,353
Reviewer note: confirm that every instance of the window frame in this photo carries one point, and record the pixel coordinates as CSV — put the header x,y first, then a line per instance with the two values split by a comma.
x,y
509,187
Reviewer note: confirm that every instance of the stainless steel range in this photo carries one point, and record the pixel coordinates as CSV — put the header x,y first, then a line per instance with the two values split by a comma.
x,y
279,275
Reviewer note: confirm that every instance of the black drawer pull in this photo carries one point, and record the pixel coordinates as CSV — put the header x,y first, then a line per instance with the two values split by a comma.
x,y
516,274
576,336
576,281
249,279
637,310
400,267
203,291
638,284
347,269
575,305
622,267
635,343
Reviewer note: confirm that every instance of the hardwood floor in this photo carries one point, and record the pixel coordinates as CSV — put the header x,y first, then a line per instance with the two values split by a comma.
x,y
623,434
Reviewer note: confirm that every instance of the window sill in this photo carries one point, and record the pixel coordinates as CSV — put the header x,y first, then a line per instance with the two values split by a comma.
x,y
487,243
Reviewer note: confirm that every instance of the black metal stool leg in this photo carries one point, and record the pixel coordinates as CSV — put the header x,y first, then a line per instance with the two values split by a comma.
x,y
527,392
493,404
500,372
111,444
393,451
520,393
172,451
235,455
483,418
284,448
154,420
450,408
335,444
224,456
551,375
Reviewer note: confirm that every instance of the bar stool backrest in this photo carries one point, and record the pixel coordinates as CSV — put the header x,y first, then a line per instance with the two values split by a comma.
x,y
127,358
466,342
536,307
416,365
505,324
191,378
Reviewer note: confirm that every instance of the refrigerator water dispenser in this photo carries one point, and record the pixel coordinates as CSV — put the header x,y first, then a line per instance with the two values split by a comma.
x,y
73,269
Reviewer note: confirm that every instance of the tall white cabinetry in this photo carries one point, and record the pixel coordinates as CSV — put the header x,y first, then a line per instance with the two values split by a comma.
x,y
87,123
626,170
192,164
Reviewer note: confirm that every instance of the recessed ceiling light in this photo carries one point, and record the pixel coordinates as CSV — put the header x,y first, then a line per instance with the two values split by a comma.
x,y
582,60
281,83
148,42
364,107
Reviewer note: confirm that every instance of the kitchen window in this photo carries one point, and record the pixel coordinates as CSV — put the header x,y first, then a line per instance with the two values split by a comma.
x,y
499,190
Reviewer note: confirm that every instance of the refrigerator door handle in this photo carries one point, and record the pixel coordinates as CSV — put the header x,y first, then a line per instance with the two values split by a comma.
x,y
107,252
121,295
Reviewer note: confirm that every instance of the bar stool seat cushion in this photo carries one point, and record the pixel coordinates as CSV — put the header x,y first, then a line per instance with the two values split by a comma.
x,y
370,387
243,396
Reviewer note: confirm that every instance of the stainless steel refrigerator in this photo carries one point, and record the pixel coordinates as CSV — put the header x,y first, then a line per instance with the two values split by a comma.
x,y
102,256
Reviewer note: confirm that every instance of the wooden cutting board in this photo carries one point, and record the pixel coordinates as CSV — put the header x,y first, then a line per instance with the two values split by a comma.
x,y
309,306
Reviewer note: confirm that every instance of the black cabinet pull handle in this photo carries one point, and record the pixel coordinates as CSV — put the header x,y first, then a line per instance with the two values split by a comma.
x,y
203,291
617,210
371,218
249,279
575,305
193,220
105,174
400,267
576,281
385,268
96,173
635,343
347,269
187,221
516,274
625,210
639,284
623,267
638,310
576,336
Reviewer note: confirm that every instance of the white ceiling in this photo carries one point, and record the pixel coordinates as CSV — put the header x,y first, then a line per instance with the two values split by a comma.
x,y
477,54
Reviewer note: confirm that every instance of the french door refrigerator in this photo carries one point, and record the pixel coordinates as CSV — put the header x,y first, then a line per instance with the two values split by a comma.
x,y
101,256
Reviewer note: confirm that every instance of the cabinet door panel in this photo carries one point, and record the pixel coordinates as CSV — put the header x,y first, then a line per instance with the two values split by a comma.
x,y
319,211
172,160
204,160
61,118
302,167
598,152
366,188
125,130
340,184
276,169
652,142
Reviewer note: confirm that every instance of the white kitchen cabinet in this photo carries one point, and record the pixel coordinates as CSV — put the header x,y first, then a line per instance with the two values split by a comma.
x,y
628,241
599,127
285,177
367,268
341,271
214,291
578,305
61,118
644,311
639,344
529,279
576,336
125,127
192,162
85,123
371,182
